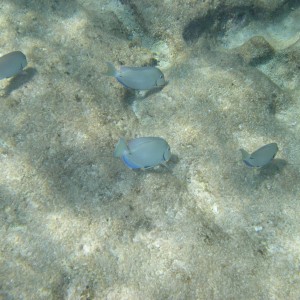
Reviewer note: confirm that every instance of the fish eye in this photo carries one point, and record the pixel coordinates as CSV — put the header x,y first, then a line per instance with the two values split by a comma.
x,y
161,76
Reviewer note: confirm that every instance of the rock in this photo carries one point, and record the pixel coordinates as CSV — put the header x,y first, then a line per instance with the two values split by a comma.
x,y
255,51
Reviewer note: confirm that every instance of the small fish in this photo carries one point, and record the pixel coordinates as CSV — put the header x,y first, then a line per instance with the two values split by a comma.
x,y
143,152
11,64
261,156
137,78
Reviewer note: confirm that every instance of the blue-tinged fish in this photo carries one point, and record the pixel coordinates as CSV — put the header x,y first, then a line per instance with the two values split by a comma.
x,y
137,78
143,152
11,64
261,156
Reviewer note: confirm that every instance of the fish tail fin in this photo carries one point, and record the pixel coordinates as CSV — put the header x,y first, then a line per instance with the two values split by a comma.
x,y
111,70
245,154
120,147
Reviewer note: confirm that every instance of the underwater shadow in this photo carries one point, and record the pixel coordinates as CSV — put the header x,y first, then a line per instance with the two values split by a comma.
x,y
217,21
130,96
19,80
213,23
63,9
270,170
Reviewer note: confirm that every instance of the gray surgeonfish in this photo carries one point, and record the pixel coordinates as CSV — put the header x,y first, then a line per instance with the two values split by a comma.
x,y
143,152
11,64
261,156
137,78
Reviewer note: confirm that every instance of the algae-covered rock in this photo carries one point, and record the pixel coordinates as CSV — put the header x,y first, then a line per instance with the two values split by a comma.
x,y
255,51
188,20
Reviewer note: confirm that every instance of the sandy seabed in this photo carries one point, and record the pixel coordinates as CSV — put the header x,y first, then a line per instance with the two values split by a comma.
x,y
75,223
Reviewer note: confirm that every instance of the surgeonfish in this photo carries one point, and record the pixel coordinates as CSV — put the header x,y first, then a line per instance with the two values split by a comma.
x,y
143,152
11,64
137,78
261,156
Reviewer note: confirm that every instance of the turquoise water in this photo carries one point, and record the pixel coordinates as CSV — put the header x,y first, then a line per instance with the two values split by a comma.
x,y
76,223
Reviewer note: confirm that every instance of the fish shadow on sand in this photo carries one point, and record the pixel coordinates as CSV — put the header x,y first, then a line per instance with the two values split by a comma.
x,y
275,167
132,95
162,168
19,80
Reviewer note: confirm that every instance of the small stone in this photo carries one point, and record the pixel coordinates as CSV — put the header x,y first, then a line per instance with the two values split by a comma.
x,y
258,228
